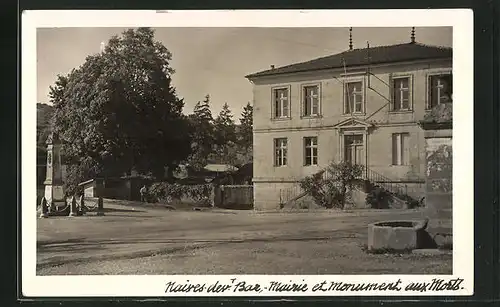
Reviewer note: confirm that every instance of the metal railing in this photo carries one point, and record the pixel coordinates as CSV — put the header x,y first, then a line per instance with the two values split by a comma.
x,y
398,190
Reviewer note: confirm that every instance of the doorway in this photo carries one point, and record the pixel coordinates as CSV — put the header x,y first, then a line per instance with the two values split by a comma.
x,y
354,149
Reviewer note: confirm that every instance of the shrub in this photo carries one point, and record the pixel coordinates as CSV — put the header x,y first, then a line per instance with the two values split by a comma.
x,y
329,188
166,192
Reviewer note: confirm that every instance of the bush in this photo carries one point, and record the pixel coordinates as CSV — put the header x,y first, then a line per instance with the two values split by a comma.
x,y
168,192
329,187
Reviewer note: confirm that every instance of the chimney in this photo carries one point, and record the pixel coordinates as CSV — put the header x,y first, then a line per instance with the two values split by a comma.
x,y
272,66
413,35
350,38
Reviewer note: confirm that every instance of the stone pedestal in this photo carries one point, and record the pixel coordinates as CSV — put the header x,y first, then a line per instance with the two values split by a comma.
x,y
439,185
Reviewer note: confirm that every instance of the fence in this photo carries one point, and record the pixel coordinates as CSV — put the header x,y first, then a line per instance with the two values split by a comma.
x,y
234,197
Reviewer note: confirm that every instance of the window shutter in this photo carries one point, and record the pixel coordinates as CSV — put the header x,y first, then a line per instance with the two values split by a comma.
x,y
305,102
391,93
405,144
285,108
276,104
395,149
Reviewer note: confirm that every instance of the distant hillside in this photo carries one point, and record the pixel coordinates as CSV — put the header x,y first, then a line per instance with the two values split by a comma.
x,y
44,113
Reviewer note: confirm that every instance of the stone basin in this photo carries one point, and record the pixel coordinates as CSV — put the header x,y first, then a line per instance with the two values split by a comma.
x,y
395,235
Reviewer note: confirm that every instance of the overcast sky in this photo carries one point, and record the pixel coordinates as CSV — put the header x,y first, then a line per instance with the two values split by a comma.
x,y
215,60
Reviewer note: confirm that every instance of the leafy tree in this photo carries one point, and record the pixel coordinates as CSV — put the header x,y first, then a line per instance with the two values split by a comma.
x,y
246,127
202,133
119,112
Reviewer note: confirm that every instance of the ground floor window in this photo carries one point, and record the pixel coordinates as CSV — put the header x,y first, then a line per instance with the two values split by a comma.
x,y
400,149
311,151
280,151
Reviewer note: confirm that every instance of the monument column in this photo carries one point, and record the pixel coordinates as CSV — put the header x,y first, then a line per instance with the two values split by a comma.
x,y
54,192
439,180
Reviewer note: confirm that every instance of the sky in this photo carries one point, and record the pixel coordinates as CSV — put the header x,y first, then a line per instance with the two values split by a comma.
x,y
215,60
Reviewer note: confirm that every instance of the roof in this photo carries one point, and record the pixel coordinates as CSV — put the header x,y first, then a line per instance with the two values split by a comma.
x,y
219,168
359,57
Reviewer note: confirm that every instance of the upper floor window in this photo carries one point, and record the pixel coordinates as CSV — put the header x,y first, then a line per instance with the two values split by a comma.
x,y
280,151
353,100
311,151
281,103
310,104
440,89
401,94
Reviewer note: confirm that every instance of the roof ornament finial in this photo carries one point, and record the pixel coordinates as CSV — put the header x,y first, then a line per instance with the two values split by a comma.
x,y
350,38
413,35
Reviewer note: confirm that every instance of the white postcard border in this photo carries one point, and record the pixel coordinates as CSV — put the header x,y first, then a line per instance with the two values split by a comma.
x,y
463,214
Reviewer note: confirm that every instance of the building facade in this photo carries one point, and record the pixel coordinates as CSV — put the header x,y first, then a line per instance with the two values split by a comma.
x,y
361,105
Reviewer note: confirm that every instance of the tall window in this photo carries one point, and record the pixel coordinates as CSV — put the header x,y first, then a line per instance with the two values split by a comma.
x,y
280,151
311,101
311,151
353,100
400,149
401,94
281,103
440,90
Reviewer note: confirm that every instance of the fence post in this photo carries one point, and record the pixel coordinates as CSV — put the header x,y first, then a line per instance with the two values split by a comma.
x,y
100,206
212,195
72,206
43,205
82,205
221,199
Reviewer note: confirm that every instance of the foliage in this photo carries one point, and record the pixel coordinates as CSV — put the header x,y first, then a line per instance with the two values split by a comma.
x,y
117,112
324,191
168,192
442,113
75,173
202,134
225,149
245,133
224,128
330,187
220,140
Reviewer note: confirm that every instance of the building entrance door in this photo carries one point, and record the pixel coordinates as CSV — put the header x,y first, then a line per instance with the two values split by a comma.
x,y
354,149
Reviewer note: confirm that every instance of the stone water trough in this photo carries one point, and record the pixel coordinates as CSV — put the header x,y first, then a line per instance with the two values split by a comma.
x,y
398,235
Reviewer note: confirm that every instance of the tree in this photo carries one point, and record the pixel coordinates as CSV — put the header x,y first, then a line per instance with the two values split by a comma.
x,y
246,127
224,127
225,149
119,112
202,133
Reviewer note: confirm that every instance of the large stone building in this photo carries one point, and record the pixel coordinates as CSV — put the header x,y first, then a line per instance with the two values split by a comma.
x,y
361,105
